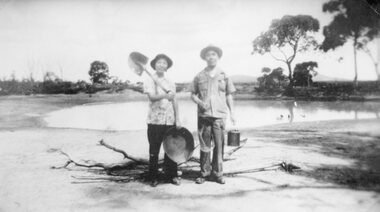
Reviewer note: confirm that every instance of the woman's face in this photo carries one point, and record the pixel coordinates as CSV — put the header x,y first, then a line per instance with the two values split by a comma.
x,y
161,65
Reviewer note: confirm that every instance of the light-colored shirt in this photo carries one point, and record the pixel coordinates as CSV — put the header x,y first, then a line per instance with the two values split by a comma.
x,y
160,112
213,91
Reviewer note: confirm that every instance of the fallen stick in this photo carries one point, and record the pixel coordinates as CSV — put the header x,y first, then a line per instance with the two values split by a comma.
x,y
137,160
93,164
229,153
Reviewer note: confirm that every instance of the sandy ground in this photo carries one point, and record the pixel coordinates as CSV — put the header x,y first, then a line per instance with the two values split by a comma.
x,y
339,163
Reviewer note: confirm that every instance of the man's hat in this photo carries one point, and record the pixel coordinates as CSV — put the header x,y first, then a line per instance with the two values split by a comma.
x,y
161,56
211,48
178,144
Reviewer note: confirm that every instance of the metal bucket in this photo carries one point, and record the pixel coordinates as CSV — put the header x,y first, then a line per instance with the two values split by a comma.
x,y
233,138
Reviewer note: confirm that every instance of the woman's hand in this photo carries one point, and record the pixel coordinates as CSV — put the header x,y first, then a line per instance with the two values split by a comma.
x,y
204,105
170,95
178,124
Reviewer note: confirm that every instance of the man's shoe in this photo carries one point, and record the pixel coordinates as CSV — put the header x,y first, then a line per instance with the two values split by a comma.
x,y
200,180
154,183
220,180
176,181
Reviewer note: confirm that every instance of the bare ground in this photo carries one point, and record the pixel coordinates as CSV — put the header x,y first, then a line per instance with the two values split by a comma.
x,y
339,163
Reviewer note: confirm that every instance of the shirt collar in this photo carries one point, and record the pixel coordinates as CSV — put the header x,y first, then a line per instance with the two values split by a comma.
x,y
218,70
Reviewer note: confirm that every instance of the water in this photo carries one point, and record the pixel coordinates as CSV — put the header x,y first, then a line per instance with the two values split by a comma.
x,y
132,115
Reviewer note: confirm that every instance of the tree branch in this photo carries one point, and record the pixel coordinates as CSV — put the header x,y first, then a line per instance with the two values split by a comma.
x,y
276,58
137,160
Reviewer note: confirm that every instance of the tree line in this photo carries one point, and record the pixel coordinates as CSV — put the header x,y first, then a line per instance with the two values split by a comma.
x,y
357,21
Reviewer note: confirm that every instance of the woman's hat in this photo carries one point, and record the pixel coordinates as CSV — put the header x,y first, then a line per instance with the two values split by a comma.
x,y
161,56
178,144
211,48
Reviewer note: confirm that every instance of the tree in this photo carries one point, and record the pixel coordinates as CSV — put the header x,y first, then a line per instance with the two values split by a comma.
x,y
289,35
353,20
375,7
271,78
99,72
304,72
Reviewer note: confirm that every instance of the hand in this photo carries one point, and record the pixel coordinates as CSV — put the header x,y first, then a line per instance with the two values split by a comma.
x,y
204,105
233,120
170,95
178,124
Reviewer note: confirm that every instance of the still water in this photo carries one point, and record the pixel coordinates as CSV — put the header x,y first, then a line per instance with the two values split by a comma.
x,y
132,115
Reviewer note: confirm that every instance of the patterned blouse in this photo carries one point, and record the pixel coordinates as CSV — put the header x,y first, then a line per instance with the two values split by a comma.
x,y
160,112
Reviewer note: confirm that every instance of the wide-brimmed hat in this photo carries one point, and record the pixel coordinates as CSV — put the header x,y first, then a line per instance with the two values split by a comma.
x,y
211,48
178,144
161,56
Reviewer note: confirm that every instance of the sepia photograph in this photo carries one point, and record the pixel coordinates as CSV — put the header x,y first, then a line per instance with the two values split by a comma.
x,y
197,105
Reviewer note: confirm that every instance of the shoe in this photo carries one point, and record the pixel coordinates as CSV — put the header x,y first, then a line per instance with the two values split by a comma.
x,y
154,183
200,180
220,180
176,181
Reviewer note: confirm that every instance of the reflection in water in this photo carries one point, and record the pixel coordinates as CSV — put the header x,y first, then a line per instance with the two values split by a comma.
x,y
290,105
132,115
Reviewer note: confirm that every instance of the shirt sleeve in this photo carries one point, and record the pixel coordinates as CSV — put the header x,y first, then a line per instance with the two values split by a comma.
x,y
194,86
148,86
230,88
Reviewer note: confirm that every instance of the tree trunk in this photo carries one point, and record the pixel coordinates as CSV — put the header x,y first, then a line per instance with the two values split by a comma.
x,y
377,71
378,58
290,75
356,66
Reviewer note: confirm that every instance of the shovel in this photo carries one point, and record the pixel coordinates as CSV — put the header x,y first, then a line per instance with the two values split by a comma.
x,y
137,62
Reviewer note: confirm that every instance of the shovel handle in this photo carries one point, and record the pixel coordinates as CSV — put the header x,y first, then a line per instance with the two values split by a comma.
x,y
156,81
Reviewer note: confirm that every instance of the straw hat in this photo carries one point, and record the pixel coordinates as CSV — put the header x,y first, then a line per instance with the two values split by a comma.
x,y
178,144
161,56
211,48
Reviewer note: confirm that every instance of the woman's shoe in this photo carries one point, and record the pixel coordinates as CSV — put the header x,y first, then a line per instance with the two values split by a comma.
x,y
200,180
154,183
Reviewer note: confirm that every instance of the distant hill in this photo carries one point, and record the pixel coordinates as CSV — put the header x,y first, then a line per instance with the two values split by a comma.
x,y
321,77
243,79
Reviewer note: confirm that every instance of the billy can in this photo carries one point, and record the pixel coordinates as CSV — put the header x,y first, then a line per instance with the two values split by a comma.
x,y
233,138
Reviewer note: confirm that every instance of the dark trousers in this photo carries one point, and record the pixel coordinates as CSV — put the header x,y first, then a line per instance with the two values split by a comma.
x,y
155,138
211,130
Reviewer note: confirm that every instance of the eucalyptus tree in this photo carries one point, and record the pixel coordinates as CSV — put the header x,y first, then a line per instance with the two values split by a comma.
x,y
286,37
353,20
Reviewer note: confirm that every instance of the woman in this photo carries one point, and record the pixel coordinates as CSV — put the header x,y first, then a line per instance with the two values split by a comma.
x,y
162,115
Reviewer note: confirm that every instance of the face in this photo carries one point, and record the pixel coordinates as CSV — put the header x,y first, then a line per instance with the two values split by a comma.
x,y
161,65
211,58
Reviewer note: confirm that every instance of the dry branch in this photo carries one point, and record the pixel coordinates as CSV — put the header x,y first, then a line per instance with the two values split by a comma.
x,y
135,159
135,167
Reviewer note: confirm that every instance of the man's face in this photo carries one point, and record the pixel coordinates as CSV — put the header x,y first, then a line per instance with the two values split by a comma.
x,y
211,58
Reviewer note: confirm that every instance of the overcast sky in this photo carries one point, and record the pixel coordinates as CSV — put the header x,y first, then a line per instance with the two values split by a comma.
x,y
66,36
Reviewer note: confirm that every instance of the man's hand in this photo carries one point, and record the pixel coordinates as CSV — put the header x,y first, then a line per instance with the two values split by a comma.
x,y
233,120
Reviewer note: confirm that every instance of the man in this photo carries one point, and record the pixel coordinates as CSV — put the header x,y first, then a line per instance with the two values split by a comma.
x,y
212,92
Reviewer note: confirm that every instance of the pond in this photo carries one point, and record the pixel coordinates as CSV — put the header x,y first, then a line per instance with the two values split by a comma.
x,y
252,113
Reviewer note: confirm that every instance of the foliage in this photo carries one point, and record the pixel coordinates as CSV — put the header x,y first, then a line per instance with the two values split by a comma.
x,y
271,78
289,35
99,72
304,72
354,20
